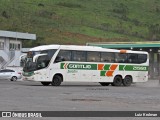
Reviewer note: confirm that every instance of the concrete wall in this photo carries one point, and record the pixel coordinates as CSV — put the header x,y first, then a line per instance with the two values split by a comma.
x,y
8,56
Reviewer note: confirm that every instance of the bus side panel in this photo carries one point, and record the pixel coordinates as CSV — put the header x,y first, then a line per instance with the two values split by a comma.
x,y
55,69
70,73
109,74
137,76
74,74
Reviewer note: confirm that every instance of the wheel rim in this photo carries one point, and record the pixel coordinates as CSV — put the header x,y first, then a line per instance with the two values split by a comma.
x,y
117,81
14,78
56,81
128,81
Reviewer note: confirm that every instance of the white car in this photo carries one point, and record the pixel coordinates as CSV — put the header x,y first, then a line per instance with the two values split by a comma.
x,y
10,74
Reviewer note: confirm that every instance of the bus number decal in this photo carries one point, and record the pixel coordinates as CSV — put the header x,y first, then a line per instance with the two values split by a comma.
x,y
132,68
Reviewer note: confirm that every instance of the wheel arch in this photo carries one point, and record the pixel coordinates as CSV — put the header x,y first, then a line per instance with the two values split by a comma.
x,y
118,75
129,76
59,74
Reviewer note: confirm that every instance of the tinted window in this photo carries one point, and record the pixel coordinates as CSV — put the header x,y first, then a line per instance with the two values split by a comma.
x,y
19,46
132,58
93,56
43,61
63,55
107,57
6,70
79,56
1,71
49,53
10,70
142,58
120,57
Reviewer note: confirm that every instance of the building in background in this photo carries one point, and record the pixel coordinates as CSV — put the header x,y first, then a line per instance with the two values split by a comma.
x,y
11,47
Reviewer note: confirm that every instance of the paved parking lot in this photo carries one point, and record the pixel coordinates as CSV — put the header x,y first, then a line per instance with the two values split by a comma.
x,y
26,96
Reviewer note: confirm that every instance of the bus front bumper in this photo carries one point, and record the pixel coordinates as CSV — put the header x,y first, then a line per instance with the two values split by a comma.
x,y
29,76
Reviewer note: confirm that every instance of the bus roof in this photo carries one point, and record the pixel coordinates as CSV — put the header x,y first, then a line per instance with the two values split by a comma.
x,y
44,47
78,47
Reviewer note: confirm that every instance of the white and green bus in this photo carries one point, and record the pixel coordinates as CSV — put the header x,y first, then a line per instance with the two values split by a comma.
x,y
54,64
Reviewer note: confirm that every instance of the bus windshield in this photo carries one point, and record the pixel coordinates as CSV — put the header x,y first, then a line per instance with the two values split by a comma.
x,y
41,62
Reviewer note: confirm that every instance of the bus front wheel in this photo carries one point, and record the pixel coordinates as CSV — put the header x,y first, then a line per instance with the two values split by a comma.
x,y
117,81
104,83
45,83
56,80
127,81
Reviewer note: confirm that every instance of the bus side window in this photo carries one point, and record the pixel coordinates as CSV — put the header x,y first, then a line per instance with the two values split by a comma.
x,y
121,57
132,58
79,56
63,55
142,58
93,56
59,59
107,57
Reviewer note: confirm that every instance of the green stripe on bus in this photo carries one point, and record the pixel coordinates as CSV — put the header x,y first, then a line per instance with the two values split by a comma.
x,y
62,64
82,66
107,66
121,67
133,68
103,73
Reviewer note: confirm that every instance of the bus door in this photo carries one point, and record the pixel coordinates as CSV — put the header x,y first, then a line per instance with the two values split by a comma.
x,y
42,63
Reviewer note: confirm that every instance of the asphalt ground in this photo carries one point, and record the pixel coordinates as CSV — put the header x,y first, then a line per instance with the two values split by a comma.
x,y
32,96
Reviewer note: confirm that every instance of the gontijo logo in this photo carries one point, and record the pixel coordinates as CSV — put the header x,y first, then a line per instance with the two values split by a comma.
x,y
78,66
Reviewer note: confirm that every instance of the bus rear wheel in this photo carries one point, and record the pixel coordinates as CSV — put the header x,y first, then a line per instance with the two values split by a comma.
x,y
117,81
127,81
45,83
56,80
104,83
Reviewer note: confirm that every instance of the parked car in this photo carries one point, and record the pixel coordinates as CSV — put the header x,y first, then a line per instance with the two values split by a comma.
x,y
10,74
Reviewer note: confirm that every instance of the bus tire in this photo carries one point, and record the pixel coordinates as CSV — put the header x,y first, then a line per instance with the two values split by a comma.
x,y
56,80
127,81
45,83
104,83
117,81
